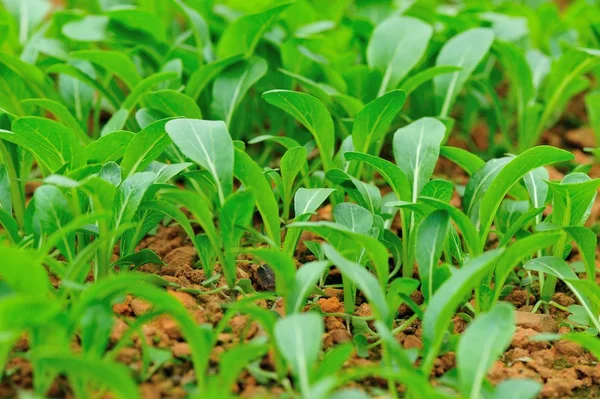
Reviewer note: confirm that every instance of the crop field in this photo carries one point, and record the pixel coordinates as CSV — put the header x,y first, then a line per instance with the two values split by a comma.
x,y
310,199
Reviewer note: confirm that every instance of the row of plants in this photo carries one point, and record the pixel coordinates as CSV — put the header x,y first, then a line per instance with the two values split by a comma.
x,y
238,122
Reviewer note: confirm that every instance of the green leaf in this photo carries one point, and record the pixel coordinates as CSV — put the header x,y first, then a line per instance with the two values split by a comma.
x,y
552,265
62,113
520,223
367,195
111,374
592,106
144,147
535,182
511,173
113,62
354,217
351,244
424,76
91,28
465,50
572,199
478,185
110,147
251,176
34,283
483,342
209,145
145,85
558,268
242,36
392,174
416,150
430,241
447,298
52,213
292,162
439,189
517,389
51,143
519,251
298,338
364,280
129,197
171,103
116,122
205,73
304,281
138,259
313,115
468,161
232,84
235,215
395,47
467,228
374,120
140,20
586,242
308,200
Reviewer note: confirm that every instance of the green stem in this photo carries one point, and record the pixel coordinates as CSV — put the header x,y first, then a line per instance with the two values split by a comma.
x,y
16,192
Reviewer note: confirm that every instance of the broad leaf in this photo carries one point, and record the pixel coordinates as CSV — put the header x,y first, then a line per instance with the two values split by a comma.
x,y
395,47
416,150
313,115
231,86
430,241
209,145
465,50
483,342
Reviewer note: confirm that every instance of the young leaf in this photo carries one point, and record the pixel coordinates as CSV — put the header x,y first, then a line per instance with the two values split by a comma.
x,y
61,113
298,338
517,389
171,103
208,144
129,197
447,298
231,86
108,148
144,147
354,217
205,73
395,47
306,278
430,241
392,174
510,174
478,185
242,36
468,161
572,199
292,162
465,50
234,216
114,62
51,143
313,114
52,212
484,341
251,176
416,150
373,121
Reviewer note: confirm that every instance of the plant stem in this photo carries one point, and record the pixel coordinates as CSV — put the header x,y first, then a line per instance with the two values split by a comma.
x,y
16,191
